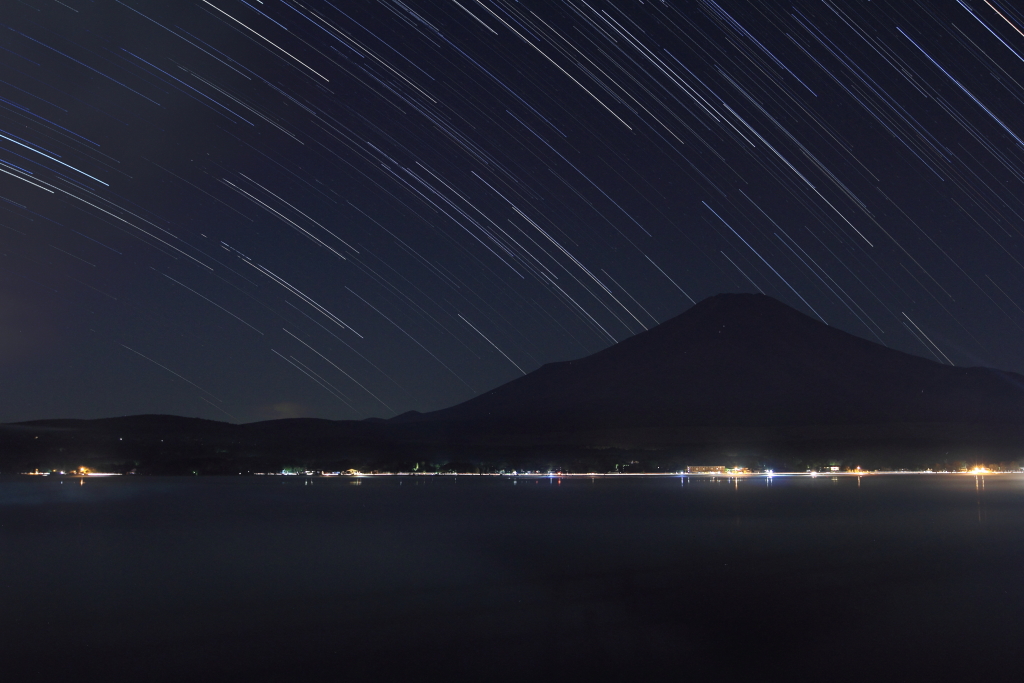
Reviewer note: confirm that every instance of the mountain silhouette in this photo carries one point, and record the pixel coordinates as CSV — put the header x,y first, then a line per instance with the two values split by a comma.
x,y
734,371
743,360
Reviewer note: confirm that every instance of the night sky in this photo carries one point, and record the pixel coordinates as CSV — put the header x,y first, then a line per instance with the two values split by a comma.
x,y
246,210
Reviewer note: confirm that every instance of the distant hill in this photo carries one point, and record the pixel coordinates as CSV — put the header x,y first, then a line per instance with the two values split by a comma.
x,y
737,373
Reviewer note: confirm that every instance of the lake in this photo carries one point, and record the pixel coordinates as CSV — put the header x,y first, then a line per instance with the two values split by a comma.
x,y
884,577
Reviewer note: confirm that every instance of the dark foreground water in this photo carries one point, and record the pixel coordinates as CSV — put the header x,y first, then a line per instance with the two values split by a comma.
x,y
901,577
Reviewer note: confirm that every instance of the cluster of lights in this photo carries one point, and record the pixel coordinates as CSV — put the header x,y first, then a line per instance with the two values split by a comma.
x,y
80,472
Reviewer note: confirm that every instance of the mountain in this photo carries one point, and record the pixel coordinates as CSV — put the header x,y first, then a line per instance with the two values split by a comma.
x,y
744,362
735,373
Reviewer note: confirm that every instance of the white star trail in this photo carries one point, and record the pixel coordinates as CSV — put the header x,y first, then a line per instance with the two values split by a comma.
x,y
493,161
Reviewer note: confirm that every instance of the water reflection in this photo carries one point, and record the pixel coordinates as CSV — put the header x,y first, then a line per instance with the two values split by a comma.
x,y
979,488
255,575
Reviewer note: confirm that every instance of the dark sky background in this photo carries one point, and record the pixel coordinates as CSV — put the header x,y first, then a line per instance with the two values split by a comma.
x,y
243,210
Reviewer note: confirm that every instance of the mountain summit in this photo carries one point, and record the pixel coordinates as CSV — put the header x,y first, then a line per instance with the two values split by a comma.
x,y
743,360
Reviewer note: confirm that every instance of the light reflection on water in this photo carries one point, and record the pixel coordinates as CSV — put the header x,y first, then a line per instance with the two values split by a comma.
x,y
457,572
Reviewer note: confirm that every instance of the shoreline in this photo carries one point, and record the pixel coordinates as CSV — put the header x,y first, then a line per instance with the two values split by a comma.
x,y
534,475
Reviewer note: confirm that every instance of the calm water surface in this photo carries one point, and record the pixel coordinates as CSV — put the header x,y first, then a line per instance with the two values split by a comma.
x,y
900,577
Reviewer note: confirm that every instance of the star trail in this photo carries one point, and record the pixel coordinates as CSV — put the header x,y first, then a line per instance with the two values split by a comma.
x,y
243,210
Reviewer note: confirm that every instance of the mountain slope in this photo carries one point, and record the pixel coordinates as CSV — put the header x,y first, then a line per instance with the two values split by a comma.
x,y
743,360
